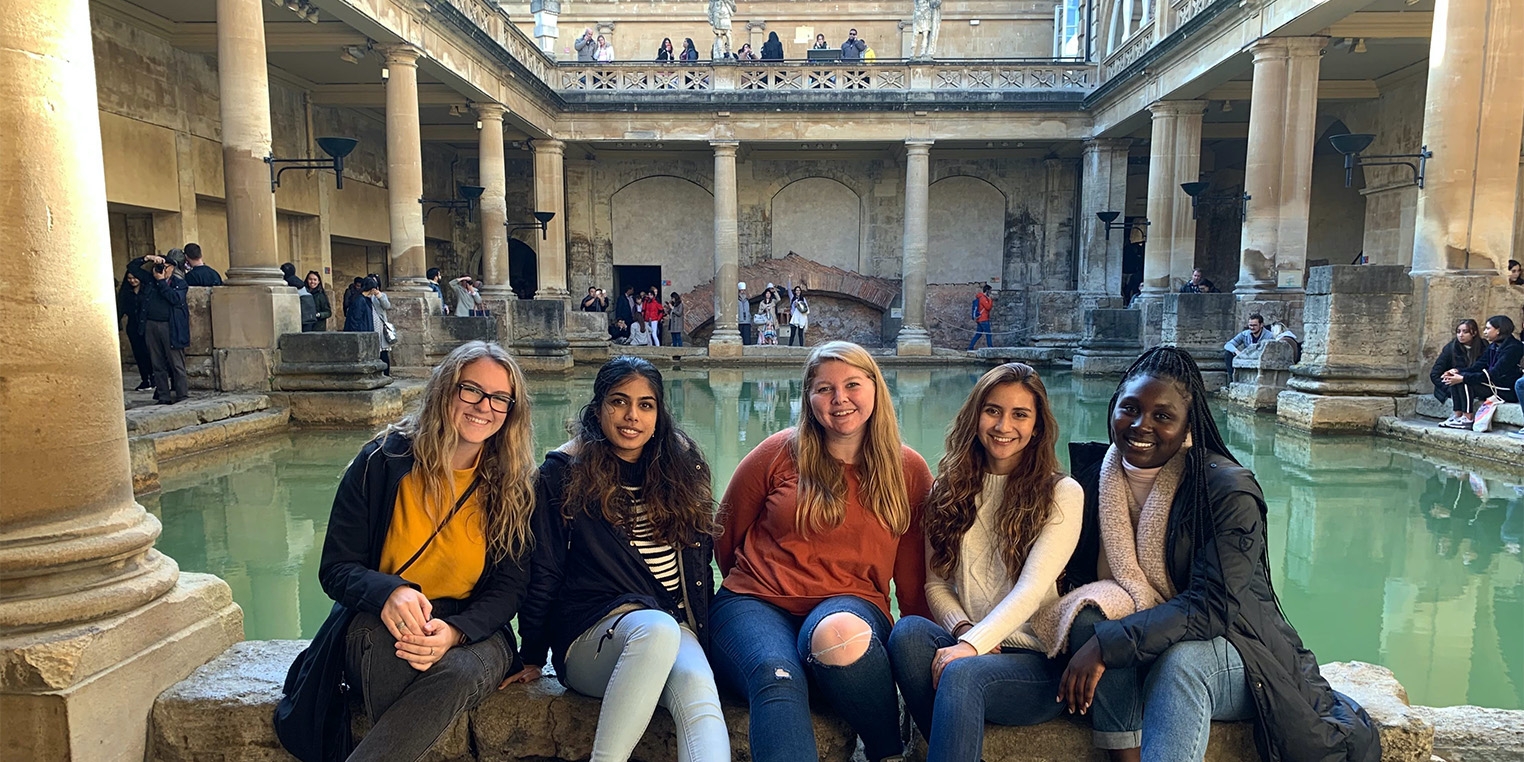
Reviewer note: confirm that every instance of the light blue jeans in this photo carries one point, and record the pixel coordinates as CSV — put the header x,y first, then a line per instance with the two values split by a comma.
x,y
1193,683
649,660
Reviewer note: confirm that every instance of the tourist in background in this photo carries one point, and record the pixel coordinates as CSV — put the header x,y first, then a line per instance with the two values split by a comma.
x,y
818,519
380,306
468,300
590,303
426,558
627,307
1001,523
675,312
288,273
852,48
664,52
1170,615
799,317
745,53
586,46
129,305
352,321
1515,273
982,306
783,309
653,312
322,308
166,322
820,43
1462,352
1198,284
743,313
772,49
1495,372
605,51
1246,338
640,334
197,272
766,317
624,531
689,53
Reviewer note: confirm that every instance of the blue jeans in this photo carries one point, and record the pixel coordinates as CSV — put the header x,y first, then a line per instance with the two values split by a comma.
x,y
1518,391
1015,687
983,329
762,653
1169,712
676,337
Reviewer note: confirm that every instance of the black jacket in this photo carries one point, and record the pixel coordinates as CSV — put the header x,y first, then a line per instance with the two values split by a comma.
x,y
1500,360
202,275
1225,591
586,567
1454,355
772,50
312,719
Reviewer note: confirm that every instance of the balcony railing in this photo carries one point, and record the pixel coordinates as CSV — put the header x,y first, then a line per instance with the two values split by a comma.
x,y
809,76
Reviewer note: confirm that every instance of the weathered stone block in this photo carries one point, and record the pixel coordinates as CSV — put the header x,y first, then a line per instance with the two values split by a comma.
x,y
1354,344
1475,733
1058,319
1329,413
1112,328
539,334
1260,376
1199,324
329,347
1359,279
244,369
1405,735
346,408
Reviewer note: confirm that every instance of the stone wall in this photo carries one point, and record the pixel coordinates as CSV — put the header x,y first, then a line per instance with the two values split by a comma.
x,y
1391,198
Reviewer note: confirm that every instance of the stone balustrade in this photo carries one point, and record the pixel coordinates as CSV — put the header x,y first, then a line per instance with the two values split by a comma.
x,y
809,76
223,711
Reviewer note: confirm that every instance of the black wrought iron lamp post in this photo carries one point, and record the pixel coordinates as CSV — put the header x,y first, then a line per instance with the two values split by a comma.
x,y
336,148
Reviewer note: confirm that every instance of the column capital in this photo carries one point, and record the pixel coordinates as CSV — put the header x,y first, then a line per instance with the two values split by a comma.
x,y
1095,145
401,55
547,146
1277,48
490,112
725,147
918,146
545,6
1177,108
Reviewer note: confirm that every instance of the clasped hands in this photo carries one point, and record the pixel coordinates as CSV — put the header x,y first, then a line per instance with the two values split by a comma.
x,y
422,640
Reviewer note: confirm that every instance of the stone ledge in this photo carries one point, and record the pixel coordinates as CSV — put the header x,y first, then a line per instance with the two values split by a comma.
x,y
223,711
153,419
1475,733
220,433
1495,445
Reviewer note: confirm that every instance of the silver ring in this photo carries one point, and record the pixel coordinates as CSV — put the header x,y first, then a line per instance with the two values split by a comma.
x,y
431,650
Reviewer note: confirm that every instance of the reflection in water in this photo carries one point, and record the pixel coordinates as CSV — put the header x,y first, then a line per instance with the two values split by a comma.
x,y
1378,554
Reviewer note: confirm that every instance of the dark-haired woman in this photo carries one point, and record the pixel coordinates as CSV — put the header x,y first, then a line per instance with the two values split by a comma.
x,y
1495,372
819,519
1001,523
1462,351
423,562
665,51
129,305
1171,617
624,531
689,53
772,49
322,308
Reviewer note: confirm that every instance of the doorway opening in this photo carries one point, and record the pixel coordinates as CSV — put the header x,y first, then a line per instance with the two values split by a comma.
x,y
641,277
523,269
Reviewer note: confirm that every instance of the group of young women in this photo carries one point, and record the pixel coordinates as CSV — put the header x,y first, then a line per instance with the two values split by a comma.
x,y
1136,592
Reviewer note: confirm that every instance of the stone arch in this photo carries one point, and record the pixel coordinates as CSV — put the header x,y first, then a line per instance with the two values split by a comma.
x,y
667,221
965,230
820,217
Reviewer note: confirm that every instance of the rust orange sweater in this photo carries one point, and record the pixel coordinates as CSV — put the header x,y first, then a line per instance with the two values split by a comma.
x,y
761,554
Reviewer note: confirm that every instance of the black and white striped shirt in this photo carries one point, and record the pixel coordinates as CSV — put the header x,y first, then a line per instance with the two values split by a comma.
x,y
661,559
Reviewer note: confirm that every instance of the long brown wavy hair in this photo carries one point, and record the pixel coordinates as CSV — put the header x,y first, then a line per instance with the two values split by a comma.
x,y
1027,503
675,491
506,468
822,494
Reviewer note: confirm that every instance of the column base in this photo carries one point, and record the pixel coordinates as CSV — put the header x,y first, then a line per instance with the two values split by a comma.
x,y
552,293
1322,413
86,692
415,314
1150,306
725,342
539,334
587,334
913,341
247,323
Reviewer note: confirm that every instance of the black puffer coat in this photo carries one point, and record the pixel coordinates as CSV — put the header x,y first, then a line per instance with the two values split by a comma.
x,y
1225,590
586,567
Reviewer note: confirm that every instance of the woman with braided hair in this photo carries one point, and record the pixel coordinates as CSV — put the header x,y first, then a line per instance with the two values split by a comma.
x,y
1169,612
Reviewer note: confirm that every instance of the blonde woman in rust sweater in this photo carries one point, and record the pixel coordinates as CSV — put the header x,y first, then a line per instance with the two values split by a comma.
x,y
1001,523
816,522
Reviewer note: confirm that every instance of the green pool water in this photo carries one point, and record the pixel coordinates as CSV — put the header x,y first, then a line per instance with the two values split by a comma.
x,y
1378,554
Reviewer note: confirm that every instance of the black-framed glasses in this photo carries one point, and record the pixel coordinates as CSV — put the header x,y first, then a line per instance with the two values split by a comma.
x,y
500,403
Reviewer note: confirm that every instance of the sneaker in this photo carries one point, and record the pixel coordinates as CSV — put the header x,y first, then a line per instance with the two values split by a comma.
x,y
1448,422
145,386
1457,422
1517,434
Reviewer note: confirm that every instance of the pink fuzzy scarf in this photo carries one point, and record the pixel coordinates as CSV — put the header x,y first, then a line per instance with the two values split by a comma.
x,y
1139,578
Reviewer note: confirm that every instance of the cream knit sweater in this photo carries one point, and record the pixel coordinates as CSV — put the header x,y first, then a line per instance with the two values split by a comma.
x,y
982,592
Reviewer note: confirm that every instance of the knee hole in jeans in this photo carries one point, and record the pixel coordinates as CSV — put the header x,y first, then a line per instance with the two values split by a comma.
x,y
840,639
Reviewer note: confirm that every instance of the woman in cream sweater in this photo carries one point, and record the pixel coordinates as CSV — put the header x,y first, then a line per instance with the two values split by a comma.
x,y
1001,523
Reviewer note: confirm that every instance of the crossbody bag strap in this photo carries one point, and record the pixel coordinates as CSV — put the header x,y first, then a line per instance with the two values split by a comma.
x,y
425,546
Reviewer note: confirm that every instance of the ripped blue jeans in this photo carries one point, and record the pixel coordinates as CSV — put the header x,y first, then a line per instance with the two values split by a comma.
x,y
762,653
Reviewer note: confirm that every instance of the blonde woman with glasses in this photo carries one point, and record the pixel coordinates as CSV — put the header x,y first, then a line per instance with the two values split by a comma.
x,y
426,560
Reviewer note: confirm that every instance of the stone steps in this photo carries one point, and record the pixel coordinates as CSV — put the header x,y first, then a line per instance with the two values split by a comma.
x,y
160,433
223,711
1495,445
153,419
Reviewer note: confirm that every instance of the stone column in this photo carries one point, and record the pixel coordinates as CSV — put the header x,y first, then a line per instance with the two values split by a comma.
x,y
1174,158
404,171
1278,170
257,307
550,196
494,203
1473,118
94,623
1103,187
913,338
546,14
725,339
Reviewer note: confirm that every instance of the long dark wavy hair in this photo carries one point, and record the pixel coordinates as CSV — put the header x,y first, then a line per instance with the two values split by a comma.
x,y
675,489
1026,506
1192,513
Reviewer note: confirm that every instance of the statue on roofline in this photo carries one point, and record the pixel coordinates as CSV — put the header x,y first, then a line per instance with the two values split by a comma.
x,y
720,13
926,22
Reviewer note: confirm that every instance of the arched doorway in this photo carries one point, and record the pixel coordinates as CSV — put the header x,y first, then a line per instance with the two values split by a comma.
x,y
523,269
